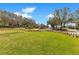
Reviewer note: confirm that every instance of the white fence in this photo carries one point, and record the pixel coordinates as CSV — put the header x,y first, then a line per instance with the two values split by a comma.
x,y
73,33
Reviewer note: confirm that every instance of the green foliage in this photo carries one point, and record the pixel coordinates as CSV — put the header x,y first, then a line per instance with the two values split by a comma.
x,y
71,27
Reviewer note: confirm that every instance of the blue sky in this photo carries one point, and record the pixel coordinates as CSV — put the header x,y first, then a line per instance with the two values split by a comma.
x,y
38,11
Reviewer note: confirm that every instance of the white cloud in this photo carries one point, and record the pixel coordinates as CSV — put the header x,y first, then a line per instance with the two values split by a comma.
x,y
50,16
29,10
25,12
17,13
26,15
23,15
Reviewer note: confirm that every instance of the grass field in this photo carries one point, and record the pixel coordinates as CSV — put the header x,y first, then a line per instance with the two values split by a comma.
x,y
37,43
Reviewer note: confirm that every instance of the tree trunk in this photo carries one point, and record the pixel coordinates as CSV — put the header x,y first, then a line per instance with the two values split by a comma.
x,y
56,27
61,27
53,27
64,24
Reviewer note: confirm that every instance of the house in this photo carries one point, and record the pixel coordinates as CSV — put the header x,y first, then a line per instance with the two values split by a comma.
x,y
71,24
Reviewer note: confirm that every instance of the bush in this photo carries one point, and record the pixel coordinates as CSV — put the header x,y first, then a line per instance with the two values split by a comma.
x,y
71,27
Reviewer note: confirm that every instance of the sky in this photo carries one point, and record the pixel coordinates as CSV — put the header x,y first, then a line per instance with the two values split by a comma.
x,y
40,12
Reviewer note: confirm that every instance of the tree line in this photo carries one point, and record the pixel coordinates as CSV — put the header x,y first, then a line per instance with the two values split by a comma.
x,y
11,20
58,21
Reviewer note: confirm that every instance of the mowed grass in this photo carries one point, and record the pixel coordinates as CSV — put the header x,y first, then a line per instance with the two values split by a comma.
x,y
38,43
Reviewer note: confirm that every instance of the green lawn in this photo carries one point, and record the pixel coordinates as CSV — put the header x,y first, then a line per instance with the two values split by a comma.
x,y
35,43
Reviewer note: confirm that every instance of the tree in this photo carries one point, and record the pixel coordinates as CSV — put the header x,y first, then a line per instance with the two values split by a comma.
x,y
29,23
54,22
71,18
43,26
60,16
65,15
77,13
50,22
